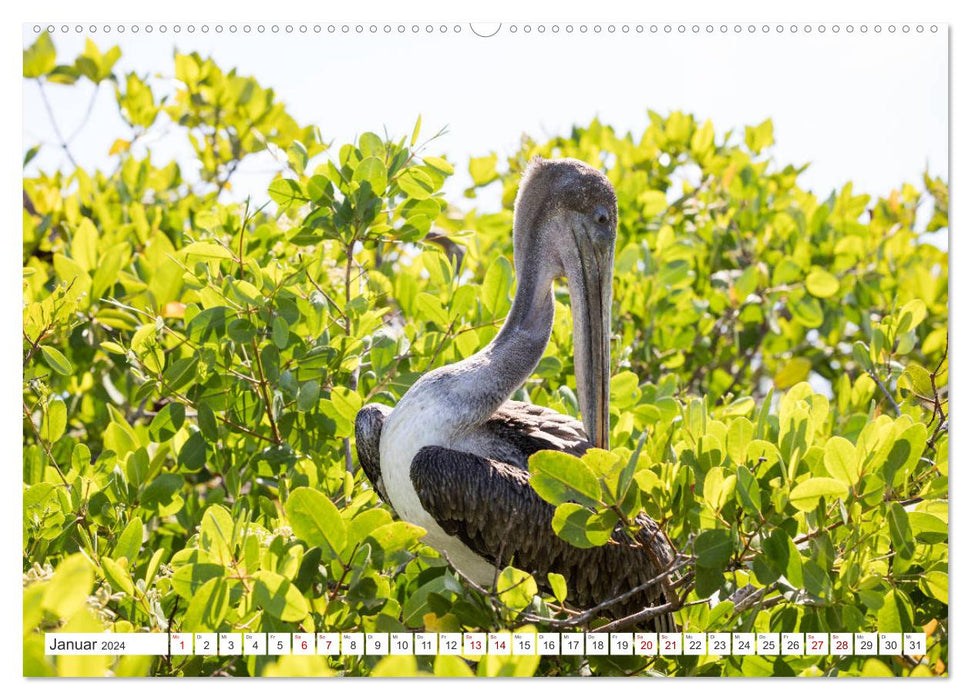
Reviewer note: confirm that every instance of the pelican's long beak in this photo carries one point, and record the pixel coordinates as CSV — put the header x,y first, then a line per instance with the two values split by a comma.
x,y
590,295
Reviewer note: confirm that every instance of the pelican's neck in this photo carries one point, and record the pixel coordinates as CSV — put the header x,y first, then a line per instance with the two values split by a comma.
x,y
486,380
522,340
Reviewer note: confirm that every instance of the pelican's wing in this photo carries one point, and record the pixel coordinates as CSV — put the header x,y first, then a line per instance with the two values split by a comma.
x,y
367,433
490,506
524,428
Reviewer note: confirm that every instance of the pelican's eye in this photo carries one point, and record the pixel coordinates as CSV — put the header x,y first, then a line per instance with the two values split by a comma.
x,y
601,215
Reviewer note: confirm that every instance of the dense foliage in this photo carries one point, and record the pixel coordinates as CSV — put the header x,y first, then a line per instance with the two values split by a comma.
x,y
193,366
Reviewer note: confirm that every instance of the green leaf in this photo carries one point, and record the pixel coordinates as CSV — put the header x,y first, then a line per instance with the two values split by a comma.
x,y
747,490
713,549
117,576
395,667
822,284
910,316
397,536
559,477
905,453
451,667
558,585
55,421
192,456
918,380
516,588
188,579
286,193
281,332
162,495
84,245
297,156
927,528
624,391
414,132
806,495
207,251
496,287
308,395
416,184
781,551
167,422
113,348
41,58
483,170
152,567
56,361
581,527
374,172
759,137
129,541
417,605
439,164
208,607
896,614
936,585
316,520
69,586
900,533
875,668
216,534
841,461
275,595
794,371
807,312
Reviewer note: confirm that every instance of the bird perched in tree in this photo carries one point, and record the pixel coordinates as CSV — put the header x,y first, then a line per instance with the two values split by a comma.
x,y
452,456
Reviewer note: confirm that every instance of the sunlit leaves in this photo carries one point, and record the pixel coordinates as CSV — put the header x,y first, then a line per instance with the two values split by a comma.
x,y
193,368
713,548
822,284
794,371
278,597
315,519
69,586
900,533
40,58
55,360
208,606
841,460
759,137
496,287
483,170
516,588
559,477
807,494
581,527
216,534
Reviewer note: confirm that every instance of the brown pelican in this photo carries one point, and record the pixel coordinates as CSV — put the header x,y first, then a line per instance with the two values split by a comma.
x,y
452,455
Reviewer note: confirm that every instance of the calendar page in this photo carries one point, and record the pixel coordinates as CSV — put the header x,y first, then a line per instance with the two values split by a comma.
x,y
433,348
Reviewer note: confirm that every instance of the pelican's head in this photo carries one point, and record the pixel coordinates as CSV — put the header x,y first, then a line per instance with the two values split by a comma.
x,y
565,226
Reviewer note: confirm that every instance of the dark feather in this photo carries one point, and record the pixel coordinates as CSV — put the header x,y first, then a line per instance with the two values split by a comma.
x,y
367,434
529,428
492,509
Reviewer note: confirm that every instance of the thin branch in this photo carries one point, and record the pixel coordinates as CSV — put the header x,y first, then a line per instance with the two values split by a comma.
x,y
265,390
44,444
57,129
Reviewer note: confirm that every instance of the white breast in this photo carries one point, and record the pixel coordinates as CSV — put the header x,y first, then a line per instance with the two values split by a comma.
x,y
419,421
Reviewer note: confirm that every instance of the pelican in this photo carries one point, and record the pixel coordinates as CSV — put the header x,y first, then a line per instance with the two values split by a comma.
x,y
452,456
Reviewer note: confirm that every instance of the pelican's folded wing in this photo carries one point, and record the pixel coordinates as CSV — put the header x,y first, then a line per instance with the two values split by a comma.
x,y
367,434
528,428
490,506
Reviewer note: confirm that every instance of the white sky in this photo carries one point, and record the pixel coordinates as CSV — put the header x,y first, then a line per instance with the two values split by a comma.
x,y
868,108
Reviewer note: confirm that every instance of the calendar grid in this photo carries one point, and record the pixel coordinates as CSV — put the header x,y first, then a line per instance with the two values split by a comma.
x,y
501,643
